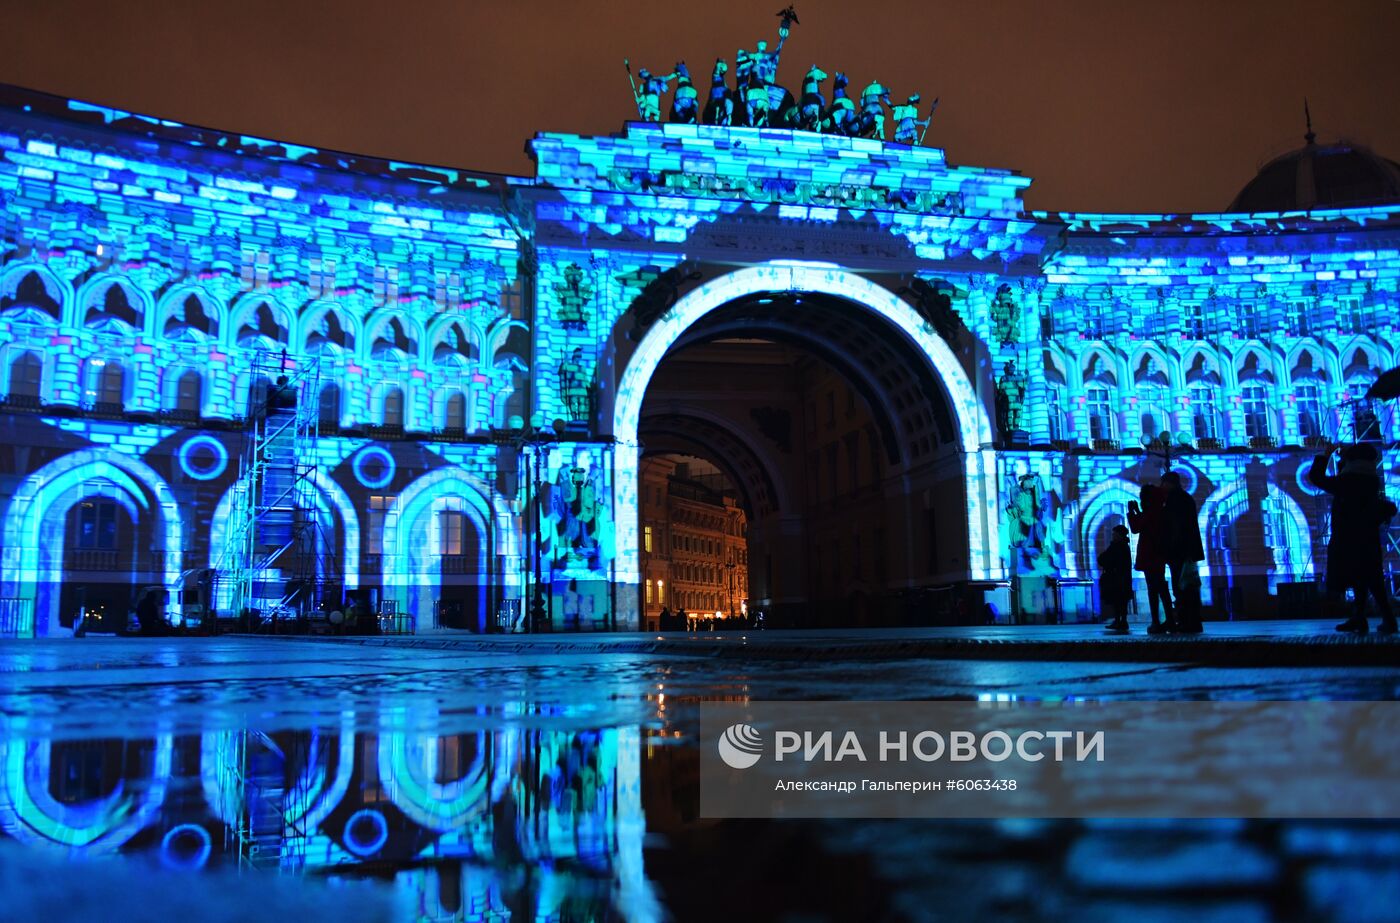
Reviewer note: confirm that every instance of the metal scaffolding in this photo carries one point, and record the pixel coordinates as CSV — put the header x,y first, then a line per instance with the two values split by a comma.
x,y
277,556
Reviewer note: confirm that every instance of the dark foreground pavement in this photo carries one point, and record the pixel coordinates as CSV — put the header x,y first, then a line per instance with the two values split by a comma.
x,y
1240,644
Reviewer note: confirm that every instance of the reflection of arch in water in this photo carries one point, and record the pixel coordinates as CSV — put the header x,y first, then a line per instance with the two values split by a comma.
x,y
1286,535
36,521
408,770
332,504
29,811
317,791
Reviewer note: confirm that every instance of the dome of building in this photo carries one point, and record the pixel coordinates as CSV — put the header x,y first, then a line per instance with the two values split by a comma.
x,y
1336,175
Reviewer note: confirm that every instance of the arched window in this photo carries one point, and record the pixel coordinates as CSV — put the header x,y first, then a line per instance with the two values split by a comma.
x,y
1254,402
328,409
26,379
1098,402
189,394
455,418
393,408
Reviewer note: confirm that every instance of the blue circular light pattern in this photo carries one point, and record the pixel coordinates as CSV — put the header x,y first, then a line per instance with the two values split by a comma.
x,y
371,456
1304,484
1188,477
189,464
175,847
363,842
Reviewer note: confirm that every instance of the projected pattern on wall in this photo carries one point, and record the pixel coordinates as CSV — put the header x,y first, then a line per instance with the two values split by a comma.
x,y
483,345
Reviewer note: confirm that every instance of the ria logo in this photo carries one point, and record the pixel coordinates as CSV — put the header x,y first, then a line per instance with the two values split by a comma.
x,y
740,746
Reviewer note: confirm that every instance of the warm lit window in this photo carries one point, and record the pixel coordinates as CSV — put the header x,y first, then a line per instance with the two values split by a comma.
x,y
646,539
648,592
452,526
378,506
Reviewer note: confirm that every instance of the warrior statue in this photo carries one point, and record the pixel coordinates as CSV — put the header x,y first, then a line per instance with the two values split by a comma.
x,y
1011,396
574,386
873,100
907,121
1006,316
841,114
720,109
685,105
647,90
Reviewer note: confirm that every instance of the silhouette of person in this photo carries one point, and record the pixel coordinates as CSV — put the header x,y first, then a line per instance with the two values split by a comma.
x,y
1116,579
1181,546
1354,554
1146,522
663,621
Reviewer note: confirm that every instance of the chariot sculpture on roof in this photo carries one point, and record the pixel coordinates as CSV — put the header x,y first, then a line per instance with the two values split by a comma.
x,y
756,100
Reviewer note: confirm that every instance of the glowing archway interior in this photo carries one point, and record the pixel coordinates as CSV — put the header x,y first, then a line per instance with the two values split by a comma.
x,y
974,426
330,498
411,564
33,530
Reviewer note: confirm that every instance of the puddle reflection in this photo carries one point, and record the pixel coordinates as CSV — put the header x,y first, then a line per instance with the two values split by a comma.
x,y
516,821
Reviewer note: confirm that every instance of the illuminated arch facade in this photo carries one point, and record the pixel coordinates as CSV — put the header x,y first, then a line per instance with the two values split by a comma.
x,y
462,318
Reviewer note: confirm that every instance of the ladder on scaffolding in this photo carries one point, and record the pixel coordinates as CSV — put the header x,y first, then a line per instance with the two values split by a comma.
x,y
276,557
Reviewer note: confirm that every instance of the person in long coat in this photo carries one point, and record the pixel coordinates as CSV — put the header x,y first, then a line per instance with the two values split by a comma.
x,y
1116,579
1181,545
1354,553
1146,523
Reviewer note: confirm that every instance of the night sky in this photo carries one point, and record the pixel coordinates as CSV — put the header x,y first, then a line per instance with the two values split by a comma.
x,y
1110,105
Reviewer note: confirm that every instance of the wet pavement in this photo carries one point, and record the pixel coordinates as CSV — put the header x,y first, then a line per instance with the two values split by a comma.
x,y
556,778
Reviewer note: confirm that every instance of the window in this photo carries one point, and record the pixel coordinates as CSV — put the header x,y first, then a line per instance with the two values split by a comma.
x,y
110,383
1299,321
189,391
1249,325
26,376
648,591
452,525
97,524
455,417
1195,322
1055,412
328,407
393,407
1308,400
661,592
1098,401
646,539
1353,315
1205,412
513,299
1254,401
378,506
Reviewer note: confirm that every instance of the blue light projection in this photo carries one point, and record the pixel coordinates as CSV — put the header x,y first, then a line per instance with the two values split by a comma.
x,y
524,796
485,345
